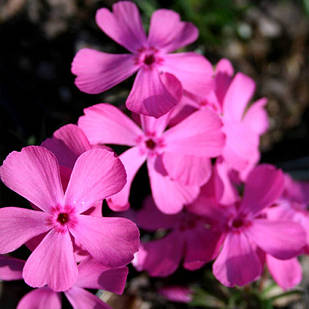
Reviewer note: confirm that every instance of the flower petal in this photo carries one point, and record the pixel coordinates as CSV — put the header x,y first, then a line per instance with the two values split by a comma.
x,y
193,71
202,246
34,174
106,124
155,125
200,134
154,94
18,225
287,273
111,241
237,96
43,298
223,77
256,117
188,170
238,262
263,187
97,72
168,33
242,145
80,298
132,160
150,218
96,175
94,275
227,192
67,144
178,194
123,25
162,256
11,268
52,263
285,239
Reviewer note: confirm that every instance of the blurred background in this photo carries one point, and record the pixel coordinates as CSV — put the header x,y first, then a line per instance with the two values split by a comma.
x,y
268,40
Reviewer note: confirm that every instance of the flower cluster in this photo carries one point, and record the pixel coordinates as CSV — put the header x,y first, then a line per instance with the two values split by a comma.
x,y
197,131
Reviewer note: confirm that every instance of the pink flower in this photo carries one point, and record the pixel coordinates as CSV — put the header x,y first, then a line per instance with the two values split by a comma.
x,y
188,240
67,144
91,275
160,75
242,124
293,205
248,231
34,174
178,159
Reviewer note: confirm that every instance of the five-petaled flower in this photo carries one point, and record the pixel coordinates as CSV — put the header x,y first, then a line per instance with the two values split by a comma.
x,y
161,76
34,174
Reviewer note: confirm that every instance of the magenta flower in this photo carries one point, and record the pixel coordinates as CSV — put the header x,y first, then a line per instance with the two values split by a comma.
x,y
160,75
91,275
293,205
67,144
188,240
243,124
178,159
34,174
247,230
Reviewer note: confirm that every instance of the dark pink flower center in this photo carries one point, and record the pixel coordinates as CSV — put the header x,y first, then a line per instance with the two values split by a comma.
x,y
238,222
63,218
150,144
149,59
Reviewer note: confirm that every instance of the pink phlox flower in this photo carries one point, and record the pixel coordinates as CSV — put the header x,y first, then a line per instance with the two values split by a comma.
x,y
293,205
67,144
243,123
247,229
91,275
189,240
287,273
34,174
178,159
161,76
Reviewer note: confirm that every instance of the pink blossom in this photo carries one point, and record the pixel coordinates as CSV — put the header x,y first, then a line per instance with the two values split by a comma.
x,y
293,205
91,275
247,231
34,174
242,124
188,240
67,144
178,159
161,76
